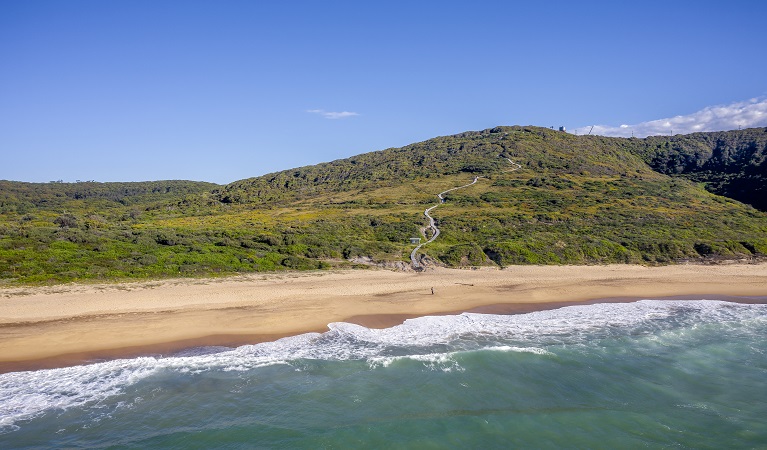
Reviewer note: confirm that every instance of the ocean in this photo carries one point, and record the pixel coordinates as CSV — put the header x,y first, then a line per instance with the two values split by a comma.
x,y
652,373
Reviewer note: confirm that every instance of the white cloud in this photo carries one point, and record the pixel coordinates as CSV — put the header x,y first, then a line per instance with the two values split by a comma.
x,y
746,114
332,114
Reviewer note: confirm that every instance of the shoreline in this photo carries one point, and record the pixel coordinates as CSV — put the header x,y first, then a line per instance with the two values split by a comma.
x,y
61,326
376,321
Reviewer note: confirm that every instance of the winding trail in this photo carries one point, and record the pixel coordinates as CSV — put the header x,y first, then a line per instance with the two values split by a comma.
x,y
513,164
433,225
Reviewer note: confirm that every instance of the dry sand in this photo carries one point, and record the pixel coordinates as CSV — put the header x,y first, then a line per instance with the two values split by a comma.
x,y
70,324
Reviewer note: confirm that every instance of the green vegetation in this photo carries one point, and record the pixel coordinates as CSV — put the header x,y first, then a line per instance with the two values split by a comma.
x,y
576,200
730,163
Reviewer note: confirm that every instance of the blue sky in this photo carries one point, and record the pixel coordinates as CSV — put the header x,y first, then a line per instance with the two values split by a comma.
x,y
224,90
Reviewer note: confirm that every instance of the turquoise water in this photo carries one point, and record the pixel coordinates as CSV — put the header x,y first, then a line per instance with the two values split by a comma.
x,y
689,374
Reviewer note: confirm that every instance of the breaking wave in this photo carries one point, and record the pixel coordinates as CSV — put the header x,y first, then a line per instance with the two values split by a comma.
x,y
437,342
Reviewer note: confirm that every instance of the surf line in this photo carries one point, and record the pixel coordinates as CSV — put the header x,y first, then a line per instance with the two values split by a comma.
x,y
432,224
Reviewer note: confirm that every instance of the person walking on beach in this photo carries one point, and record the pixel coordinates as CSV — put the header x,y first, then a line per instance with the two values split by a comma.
x,y
432,291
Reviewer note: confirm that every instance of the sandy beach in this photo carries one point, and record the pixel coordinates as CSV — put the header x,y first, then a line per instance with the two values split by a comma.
x,y
57,326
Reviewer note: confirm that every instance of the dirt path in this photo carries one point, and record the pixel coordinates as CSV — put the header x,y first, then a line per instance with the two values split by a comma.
x,y
433,225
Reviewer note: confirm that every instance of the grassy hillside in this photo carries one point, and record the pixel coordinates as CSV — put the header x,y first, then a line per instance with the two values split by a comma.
x,y
576,200
472,152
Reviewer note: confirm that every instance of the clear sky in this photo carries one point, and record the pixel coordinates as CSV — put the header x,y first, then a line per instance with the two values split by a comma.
x,y
224,90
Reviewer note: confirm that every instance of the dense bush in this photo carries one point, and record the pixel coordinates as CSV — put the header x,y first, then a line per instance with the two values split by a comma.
x,y
576,200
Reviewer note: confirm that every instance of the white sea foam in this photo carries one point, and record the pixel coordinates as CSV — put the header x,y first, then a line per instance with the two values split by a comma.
x,y
447,362
434,341
533,350
433,361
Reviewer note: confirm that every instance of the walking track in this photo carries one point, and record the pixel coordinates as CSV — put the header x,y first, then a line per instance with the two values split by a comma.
x,y
433,225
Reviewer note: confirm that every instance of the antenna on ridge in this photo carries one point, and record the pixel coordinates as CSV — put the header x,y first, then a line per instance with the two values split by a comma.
x,y
592,128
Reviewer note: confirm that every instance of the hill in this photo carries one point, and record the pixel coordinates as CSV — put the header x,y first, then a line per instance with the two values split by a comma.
x,y
575,200
730,163
470,152
22,197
